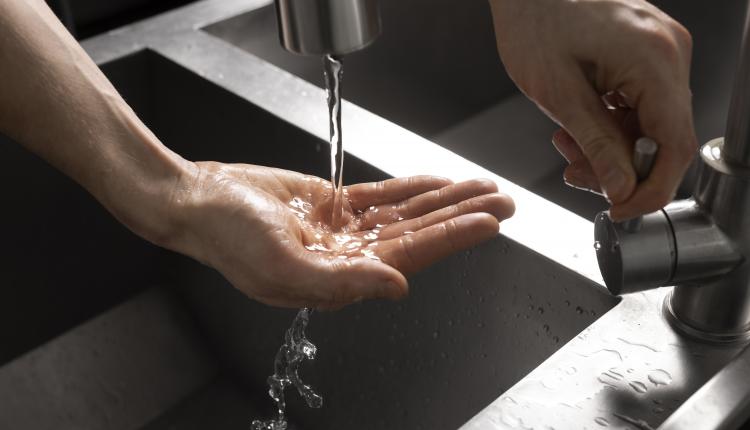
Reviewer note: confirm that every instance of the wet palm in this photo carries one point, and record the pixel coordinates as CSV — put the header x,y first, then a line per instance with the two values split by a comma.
x,y
269,232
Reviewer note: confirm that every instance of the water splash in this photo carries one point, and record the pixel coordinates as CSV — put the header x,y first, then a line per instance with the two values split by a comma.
x,y
296,349
639,424
660,377
639,387
641,345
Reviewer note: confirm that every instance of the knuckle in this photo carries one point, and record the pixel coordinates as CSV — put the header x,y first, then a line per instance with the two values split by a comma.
x,y
451,235
663,44
682,35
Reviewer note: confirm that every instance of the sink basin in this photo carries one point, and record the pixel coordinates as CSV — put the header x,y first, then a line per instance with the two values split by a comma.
x,y
517,331
472,327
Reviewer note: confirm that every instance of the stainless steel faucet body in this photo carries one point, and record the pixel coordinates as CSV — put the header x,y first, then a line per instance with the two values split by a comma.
x,y
327,27
700,245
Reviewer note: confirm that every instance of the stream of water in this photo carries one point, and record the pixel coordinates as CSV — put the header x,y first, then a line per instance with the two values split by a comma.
x,y
333,70
296,347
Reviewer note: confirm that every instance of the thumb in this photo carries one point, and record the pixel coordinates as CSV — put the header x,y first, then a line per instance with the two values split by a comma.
x,y
600,137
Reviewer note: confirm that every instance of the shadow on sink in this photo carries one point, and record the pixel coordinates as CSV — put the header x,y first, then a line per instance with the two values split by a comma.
x,y
473,325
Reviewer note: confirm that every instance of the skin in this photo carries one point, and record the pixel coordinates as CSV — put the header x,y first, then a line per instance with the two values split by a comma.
x,y
607,71
239,219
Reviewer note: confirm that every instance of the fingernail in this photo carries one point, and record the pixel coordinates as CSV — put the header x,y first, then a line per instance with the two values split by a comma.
x,y
572,184
613,183
574,179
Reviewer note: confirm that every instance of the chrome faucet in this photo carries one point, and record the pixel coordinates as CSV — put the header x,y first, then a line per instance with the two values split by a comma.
x,y
700,245
327,27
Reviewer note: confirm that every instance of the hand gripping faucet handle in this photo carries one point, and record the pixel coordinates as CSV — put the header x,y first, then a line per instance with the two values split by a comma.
x,y
637,254
644,154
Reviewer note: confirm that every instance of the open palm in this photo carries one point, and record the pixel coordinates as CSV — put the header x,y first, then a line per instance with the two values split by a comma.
x,y
270,232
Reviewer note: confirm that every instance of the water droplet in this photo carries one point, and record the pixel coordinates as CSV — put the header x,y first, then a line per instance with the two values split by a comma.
x,y
597,245
601,421
546,328
658,410
660,377
540,310
579,310
639,386
435,335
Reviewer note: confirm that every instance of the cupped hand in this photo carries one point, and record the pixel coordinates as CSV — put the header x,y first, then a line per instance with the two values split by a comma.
x,y
269,232
607,71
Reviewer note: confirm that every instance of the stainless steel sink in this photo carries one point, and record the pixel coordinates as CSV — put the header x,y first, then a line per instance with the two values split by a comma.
x,y
473,325
516,332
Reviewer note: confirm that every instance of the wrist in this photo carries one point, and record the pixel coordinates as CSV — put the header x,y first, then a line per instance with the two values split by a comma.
x,y
139,179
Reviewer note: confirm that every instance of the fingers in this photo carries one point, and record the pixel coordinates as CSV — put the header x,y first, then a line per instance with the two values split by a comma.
x,y
581,176
666,116
362,196
567,146
416,251
427,202
327,282
500,206
599,137
355,279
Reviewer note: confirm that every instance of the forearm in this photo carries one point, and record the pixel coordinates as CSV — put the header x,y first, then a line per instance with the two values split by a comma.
x,y
56,102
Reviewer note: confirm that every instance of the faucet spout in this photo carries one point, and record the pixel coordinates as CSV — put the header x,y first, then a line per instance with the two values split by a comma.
x,y
327,27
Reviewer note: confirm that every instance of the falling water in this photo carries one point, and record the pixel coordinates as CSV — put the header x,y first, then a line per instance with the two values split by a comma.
x,y
333,69
296,349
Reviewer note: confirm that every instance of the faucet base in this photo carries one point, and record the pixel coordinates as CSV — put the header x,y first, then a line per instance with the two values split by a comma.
x,y
727,338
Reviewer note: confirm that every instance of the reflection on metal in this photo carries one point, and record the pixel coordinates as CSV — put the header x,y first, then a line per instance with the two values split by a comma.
x,y
327,27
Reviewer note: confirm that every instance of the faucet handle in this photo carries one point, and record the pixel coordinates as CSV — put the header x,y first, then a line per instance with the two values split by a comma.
x,y
644,154
631,262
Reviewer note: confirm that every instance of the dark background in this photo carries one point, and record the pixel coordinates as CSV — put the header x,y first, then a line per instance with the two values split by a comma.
x,y
86,18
